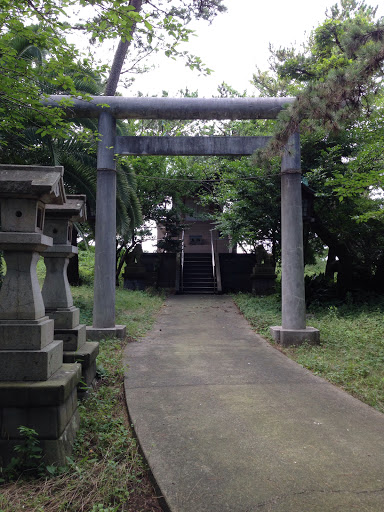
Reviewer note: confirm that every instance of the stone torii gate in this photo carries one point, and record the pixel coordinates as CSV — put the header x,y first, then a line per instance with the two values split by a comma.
x,y
293,329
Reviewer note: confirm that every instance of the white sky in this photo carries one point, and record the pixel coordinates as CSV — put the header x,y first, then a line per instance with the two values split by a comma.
x,y
234,44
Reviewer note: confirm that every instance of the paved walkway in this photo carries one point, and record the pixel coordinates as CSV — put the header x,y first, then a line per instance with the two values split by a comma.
x,y
228,423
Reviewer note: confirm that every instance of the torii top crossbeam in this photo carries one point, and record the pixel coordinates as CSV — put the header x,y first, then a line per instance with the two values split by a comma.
x,y
173,108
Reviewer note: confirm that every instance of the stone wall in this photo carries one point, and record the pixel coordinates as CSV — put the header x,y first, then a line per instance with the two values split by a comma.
x,y
236,270
160,271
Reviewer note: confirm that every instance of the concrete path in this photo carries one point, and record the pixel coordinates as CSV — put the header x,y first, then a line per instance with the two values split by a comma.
x,y
228,423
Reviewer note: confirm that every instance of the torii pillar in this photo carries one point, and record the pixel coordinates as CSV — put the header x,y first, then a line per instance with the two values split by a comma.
x,y
104,325
293,330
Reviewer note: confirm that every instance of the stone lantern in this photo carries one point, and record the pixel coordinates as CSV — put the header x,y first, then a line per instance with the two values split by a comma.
x,y
36,390
56,290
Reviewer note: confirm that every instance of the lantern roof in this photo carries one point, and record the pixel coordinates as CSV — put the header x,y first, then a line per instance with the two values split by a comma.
x,y
73,209
44,183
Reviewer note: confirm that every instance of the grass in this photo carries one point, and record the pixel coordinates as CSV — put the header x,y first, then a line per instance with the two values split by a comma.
x,y
351,351
106,472
133,308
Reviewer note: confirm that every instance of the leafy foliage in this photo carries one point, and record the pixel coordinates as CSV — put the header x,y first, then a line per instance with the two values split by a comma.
x,y
337,79
77,152
338,73
21,80
161,26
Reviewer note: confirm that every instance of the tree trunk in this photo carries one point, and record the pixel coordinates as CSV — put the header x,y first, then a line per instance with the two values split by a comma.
x,y
345,266
119,58
123,259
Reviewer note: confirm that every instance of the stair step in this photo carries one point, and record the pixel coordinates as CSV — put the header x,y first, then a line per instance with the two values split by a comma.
x,y
197,263
198,274
196,260
207,292
198,269
197,255
198,287
195,271
198,279
194,275
198,292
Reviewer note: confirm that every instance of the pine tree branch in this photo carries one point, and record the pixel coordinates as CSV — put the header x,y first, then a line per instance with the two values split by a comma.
x,y
336,99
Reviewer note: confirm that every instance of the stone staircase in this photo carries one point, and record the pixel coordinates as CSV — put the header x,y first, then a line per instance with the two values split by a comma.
x,y
198,274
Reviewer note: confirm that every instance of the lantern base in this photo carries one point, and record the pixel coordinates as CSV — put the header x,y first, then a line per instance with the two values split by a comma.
x,y
65,318
26,334
49,408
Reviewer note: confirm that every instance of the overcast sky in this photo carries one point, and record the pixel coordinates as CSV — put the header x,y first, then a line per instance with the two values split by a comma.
x,y
235,43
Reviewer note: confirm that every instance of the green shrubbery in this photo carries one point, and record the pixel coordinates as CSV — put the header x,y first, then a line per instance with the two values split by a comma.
x,y
87,265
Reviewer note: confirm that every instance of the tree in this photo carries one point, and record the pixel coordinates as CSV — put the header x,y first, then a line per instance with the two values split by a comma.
x,y
337,80
77,152
162,21
339,72
20,80
250,206
168,15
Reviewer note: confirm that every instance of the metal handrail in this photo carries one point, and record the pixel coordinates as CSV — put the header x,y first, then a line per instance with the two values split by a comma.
x,y
182,262
213,258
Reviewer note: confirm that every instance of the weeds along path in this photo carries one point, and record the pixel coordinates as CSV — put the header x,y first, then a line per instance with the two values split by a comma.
x,y
106,471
